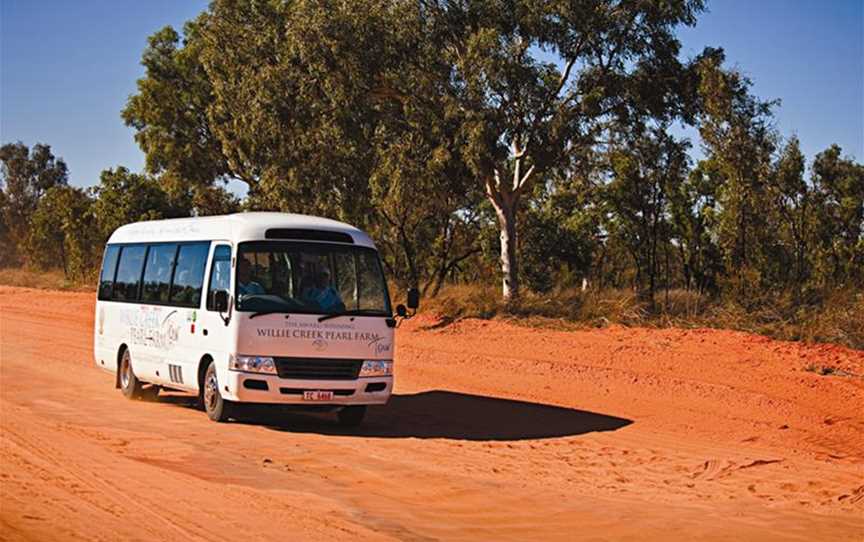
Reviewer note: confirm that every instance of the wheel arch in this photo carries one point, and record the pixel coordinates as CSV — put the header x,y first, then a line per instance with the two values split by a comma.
x,y
205,360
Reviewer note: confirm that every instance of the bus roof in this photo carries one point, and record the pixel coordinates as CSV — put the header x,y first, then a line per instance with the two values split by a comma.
x,y
237,228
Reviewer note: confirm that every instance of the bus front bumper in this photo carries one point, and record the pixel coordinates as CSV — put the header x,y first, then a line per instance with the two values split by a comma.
x,y
262,388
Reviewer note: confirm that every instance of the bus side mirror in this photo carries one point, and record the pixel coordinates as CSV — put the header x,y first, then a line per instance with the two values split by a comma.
x,y
220,300
401,311
413,298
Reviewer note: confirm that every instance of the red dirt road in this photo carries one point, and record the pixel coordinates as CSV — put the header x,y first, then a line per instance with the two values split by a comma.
x,y
496,432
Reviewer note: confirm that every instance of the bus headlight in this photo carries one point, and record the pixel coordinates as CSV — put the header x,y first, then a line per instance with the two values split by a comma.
x,y
252,364
376,368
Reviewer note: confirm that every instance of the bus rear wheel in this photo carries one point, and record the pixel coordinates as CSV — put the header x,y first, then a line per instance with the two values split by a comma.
x,y
352,416
131,387
217,408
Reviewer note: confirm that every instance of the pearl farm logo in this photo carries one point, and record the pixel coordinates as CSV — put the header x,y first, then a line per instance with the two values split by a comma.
x,y
322,337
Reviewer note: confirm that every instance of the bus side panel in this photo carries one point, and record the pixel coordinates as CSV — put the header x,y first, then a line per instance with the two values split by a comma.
x,y
179,359
107,337
120,324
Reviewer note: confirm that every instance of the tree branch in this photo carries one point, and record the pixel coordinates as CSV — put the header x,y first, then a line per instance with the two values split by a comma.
x,y
524,180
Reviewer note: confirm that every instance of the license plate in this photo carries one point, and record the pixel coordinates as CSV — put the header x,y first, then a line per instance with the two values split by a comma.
x,y
317,395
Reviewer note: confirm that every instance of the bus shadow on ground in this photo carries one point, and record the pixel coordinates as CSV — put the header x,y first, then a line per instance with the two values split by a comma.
x,y
445,414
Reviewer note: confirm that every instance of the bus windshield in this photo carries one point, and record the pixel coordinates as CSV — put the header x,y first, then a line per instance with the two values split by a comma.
x,y
313,278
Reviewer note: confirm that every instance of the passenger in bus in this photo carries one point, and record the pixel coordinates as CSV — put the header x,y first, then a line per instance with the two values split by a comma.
x,y
245,284
323,295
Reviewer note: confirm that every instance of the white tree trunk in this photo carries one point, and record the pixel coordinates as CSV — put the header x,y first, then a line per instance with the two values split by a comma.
x,y
505,200
505,209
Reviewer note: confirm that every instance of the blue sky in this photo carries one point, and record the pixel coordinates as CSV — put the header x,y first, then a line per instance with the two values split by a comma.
x,y
66,69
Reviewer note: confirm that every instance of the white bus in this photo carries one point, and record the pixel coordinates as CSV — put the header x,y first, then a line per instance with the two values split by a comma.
x,y
248,308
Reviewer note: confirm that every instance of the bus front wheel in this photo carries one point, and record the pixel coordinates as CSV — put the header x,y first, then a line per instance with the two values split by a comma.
x,y
217,408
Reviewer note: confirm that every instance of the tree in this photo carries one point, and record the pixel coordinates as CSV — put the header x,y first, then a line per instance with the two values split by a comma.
x,y
739,140
295,98
521,116
123,197
25,175
62,235
647,167
426,209
170,111
198,199
313,107
297,94
693,210
560,236
793,201
838,185
7,246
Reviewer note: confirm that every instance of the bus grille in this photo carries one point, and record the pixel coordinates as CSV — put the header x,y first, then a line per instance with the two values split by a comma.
x,y
318,368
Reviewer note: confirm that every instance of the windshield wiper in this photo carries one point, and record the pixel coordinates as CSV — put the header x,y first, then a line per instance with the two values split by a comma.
x,y
265,313
353,312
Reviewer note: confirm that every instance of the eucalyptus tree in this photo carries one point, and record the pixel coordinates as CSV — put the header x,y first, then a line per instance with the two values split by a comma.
x,y
326,109
170,111
648,167
694,215
305,101
61,233
793,202
295,94
838,186
533,81
25,175
740,140
123,197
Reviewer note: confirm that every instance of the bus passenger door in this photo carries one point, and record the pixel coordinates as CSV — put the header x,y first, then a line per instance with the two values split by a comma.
x,y
215,338
179,360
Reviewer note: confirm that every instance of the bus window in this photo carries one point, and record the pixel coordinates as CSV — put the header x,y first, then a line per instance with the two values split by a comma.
x,y
220,273
157,273
109,266
129,273
189,275
345,278
371,289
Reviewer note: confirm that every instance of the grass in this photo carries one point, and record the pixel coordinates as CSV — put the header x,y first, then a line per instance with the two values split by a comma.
x,y
838,319
46,280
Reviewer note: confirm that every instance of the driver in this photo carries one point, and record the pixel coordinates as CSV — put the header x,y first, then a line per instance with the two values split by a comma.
x,y
245,284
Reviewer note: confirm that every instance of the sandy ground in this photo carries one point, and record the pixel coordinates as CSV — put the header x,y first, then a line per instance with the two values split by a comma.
x,y
496,432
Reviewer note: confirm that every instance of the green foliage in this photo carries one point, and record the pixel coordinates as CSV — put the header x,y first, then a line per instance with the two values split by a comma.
x,y
647,168
61,233
123,197
7,246
25,175
838,191
314,106
197,199
560,239
740,141
520,117
444,130
169,112
693,208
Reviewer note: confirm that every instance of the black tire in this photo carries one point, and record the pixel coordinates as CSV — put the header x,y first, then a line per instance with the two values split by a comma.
x,y
217,408
352,416
150,393
129,384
